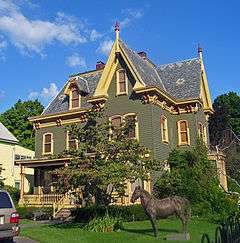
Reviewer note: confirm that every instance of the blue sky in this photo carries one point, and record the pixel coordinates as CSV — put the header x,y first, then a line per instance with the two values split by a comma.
x,y
43,42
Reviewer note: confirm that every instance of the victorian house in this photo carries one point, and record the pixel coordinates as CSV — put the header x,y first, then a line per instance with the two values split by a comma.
x,y
170,105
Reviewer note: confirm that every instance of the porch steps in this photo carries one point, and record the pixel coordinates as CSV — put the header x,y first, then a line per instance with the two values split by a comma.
x,y
63,214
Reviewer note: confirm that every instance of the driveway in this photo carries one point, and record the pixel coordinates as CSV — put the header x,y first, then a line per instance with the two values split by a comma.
x,y
21,239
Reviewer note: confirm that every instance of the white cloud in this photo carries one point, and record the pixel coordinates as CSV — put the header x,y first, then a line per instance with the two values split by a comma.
x,y
34,35
94,35
76,60
130,15
46,93
33,95
105,47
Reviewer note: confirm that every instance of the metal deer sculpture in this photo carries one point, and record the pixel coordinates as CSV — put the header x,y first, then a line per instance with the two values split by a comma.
x,y
162,208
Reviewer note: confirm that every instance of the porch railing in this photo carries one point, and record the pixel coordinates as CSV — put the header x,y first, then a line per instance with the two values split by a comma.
x,y
41,199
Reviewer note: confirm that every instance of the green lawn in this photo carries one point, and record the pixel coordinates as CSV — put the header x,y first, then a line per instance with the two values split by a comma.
x,y
134,232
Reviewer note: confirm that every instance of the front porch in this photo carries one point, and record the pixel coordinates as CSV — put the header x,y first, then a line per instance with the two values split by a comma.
x,y
44,194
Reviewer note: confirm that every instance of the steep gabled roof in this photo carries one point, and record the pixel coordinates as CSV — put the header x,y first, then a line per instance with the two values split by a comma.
x,y
146,70
182,79
6,136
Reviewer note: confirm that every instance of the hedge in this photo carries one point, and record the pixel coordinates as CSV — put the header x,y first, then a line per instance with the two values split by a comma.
x,y
127,213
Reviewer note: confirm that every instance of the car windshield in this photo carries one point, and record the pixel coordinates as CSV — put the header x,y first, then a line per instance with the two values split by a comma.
x,y
5,201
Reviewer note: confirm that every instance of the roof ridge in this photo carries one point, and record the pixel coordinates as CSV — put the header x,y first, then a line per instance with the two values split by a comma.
x,y
185,60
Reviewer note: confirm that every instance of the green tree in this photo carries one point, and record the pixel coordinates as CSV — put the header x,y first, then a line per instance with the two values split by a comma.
x,y
226,115
16,121
193,176
104,163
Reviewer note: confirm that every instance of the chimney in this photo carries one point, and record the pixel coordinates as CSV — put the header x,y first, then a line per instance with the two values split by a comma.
x,y
142,54
100,65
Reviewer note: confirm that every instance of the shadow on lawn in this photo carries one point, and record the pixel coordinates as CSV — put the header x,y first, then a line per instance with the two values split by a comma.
x,y
149,231
68,226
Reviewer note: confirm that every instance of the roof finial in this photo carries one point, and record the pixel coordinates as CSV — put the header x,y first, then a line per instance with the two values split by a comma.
x,y
199,48
117,27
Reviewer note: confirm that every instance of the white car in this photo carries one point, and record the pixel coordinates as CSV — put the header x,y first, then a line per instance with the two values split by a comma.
x,y
9,218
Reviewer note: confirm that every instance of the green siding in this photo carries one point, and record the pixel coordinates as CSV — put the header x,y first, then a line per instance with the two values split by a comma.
x,y
59,140
148,116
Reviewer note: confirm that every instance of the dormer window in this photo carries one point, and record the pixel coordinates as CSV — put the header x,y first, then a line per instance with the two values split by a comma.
x,y
75,98
121,82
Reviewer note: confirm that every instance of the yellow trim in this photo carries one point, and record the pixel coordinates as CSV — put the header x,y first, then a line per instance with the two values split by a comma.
x,y
118,85
163,124
205,93
180,143
43,143
110,69
107,73
58,115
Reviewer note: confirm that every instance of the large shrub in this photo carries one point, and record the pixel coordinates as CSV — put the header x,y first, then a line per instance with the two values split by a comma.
x,y
195,177
104,224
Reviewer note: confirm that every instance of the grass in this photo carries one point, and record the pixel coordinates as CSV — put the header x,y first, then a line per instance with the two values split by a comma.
x,y
140,231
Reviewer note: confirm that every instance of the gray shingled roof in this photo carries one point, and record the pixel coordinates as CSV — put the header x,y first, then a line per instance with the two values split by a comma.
x,y
6,136
148,74
182,79
86,83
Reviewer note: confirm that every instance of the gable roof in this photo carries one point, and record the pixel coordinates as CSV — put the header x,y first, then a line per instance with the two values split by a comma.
x,y
147,71
182,79
86,82
6,135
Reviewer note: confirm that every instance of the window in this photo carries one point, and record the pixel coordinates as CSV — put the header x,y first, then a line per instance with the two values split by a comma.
x,y
17,185
72,142
131,121
74,98
121,82
47,143
5,200
164,129
116,123
183,133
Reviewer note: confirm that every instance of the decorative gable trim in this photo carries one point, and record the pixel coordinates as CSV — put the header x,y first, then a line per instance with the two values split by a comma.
x,y
205,93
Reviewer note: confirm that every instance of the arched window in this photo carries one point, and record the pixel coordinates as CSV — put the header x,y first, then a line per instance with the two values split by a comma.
x,y
164,129
183,133
74,98
121,82
47,143
116,123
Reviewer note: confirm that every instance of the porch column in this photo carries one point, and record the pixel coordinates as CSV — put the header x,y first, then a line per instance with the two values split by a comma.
x,y
22,175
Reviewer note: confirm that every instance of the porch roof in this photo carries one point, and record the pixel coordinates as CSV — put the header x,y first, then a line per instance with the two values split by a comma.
x,y
38,162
